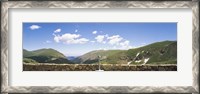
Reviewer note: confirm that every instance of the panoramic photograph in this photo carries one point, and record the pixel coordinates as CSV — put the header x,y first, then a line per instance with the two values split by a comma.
x,y
99,46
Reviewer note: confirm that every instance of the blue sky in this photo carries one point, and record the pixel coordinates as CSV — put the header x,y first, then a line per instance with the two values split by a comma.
x,y
74,39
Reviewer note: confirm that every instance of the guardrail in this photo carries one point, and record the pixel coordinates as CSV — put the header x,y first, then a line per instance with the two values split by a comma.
x,y
94,67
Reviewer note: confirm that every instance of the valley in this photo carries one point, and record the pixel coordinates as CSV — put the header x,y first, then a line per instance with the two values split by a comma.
x,y
164,52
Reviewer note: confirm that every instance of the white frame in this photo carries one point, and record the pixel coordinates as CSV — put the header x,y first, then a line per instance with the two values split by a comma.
x,y
99,89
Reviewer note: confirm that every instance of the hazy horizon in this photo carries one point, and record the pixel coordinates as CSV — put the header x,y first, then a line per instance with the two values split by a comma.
x,y
75,39
94,50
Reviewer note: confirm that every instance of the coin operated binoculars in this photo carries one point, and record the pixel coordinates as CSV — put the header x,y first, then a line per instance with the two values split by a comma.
x,y
99,64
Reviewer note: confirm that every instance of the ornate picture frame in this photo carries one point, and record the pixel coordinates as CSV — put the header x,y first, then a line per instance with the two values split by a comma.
x,y
6,5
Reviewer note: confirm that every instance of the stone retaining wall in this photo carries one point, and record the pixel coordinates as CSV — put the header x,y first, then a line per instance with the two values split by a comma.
x,y
94,67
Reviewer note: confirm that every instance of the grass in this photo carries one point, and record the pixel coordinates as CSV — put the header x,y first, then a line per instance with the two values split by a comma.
x,y
44,56
28,60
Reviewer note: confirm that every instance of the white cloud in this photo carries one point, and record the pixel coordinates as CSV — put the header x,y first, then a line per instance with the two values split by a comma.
x,y
92,41
94,32
76,41
47,41
102,49
106,35
125,44
143,44
56,38
68,38
117,41
114,40
57,30
100,38
114,47
33,27
76,30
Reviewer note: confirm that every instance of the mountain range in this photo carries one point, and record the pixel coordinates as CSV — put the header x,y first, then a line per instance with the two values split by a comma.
x,y
164,52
